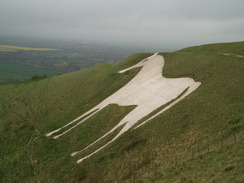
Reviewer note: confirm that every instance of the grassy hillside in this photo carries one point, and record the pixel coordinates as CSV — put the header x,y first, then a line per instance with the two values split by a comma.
x,y
30,109
197,140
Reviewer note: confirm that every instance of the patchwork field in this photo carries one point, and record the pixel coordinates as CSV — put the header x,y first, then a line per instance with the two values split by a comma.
x,y
11,48
20,63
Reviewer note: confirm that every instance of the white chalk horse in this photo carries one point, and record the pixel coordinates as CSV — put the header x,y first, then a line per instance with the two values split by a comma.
x,y
148,90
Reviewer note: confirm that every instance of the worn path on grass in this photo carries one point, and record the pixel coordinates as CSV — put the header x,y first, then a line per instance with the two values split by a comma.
x,y
148,90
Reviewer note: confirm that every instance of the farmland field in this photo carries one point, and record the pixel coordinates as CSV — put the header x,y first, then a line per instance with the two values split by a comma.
x,y
50,58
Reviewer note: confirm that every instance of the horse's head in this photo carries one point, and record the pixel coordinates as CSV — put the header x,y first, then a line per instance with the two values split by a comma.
x,y
140,64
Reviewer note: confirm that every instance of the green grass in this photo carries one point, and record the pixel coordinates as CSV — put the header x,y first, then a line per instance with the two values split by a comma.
x,y
202,116
28,110
212,113
231,48
220,166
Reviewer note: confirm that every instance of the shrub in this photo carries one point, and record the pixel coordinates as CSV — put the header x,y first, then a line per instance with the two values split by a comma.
x,y
35,77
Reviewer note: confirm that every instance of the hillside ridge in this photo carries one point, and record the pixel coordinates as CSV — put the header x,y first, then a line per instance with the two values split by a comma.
x,y
210,119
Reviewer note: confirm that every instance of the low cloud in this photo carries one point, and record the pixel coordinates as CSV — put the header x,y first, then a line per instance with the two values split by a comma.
x,y
168,23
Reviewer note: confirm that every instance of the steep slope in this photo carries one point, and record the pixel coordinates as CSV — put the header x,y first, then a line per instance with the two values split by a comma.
x,y
30,109
208,120
197,140
148,90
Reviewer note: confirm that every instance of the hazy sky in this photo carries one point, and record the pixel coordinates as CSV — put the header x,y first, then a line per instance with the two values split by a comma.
x,y
167,23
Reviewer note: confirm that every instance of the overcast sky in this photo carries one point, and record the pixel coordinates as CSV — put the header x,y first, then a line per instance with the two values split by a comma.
x,y
166,23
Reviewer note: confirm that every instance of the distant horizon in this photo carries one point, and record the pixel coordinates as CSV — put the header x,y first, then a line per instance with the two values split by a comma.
x,y
108,43
80,41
